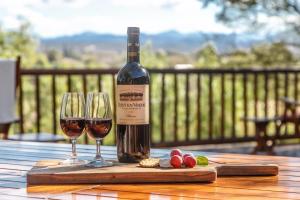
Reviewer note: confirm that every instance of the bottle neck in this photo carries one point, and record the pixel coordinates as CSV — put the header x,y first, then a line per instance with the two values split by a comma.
x,y
133,49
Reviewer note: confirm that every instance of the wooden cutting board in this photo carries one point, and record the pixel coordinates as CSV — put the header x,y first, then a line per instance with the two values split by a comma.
x,y
244,169
48,172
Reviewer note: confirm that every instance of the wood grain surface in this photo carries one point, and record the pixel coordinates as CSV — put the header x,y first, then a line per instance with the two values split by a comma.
x,y
17,158
247,169
50,172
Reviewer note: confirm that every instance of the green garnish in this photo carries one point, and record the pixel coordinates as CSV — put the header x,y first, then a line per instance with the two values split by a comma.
x,y
202,160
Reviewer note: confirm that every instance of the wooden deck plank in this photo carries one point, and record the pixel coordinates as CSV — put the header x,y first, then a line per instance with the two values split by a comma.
x,y
15,167
20,193
13,172
21,179
81,197
220,184
14,197
289,173
191,191
12,184
104,194
43,192
49,153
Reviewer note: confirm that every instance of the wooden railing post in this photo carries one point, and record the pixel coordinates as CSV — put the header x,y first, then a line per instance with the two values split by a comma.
x,y
84,88
69,83
223,106
233,106
54,119
199,91
21,103
266,94
187,107
37,103
245,99
255,95
175,119
99,83
276,88
162,109
210,107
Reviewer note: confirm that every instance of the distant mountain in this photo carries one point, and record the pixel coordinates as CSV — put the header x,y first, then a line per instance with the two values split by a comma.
x,y
169,41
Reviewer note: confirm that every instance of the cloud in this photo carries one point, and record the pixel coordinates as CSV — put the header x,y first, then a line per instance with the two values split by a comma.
x,y
59,17
143,3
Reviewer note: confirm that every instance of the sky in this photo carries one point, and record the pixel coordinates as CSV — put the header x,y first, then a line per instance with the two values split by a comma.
x,y
51,18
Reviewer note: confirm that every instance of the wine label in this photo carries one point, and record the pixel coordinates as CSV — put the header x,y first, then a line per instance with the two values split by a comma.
x,y
132,104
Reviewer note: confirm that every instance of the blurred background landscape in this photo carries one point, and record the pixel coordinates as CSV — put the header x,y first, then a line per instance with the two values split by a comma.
x,y
207,34
202,33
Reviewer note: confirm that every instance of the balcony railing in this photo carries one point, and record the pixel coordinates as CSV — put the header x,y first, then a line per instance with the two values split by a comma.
x,y
188,106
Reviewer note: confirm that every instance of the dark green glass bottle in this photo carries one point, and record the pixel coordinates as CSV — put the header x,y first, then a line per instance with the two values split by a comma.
x,y
132,95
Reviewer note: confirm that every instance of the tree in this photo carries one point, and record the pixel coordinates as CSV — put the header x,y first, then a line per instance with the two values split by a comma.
x,y
21,42
275,54
54,56
238,58
258,12
150,58
207,57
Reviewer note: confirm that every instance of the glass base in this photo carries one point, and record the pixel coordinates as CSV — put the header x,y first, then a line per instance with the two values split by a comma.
x,y
100,163
72,162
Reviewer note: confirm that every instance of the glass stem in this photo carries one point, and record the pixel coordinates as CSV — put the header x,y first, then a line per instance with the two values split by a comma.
x,y
98,153
74,154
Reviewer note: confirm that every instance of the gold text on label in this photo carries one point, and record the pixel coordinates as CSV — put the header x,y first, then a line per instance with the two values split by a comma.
x,y
132,53
133,44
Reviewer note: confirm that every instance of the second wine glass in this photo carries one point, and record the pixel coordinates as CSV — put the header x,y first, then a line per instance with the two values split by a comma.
x,y
98,122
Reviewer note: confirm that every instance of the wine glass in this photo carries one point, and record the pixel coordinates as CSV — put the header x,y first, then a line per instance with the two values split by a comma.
x,y
72,122
98,122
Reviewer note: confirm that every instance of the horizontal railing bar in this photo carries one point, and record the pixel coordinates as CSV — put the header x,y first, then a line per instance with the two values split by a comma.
x,y
226,70
67,71
164,70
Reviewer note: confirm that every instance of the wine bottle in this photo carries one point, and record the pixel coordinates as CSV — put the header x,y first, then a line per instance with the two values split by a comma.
x,y
132,96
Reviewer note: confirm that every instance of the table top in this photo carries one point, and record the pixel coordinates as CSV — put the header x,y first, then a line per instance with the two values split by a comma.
x,y
16,158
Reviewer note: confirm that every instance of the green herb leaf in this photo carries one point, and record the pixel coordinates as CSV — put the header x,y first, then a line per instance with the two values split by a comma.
x,y
202,160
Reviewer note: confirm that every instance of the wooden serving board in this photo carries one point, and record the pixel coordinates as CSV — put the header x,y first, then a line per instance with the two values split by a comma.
x,y
49,172
235,169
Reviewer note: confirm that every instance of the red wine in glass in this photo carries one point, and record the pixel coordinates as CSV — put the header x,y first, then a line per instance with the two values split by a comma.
x,y
98,128
72,127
